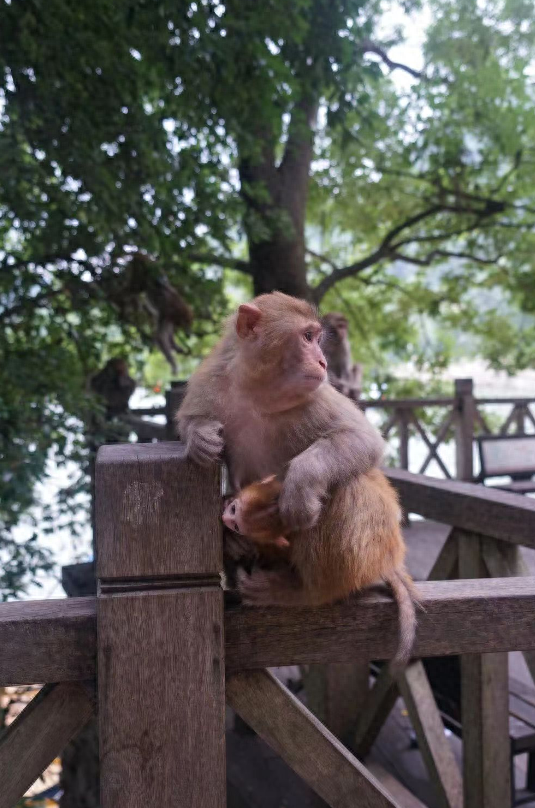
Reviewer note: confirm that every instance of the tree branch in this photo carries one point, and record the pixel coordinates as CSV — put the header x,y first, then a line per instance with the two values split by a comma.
x,y
322,258
445,254
222,260
372,47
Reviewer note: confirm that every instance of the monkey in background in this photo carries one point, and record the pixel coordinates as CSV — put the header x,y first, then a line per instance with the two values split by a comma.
x,y
262,397
147,291
344,375
336,557
114,385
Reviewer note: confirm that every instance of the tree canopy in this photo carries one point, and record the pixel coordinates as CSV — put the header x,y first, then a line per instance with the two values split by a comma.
x,y
249,146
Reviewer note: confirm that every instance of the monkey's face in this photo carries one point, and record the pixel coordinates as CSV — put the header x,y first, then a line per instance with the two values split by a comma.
x,y
282,352
232,515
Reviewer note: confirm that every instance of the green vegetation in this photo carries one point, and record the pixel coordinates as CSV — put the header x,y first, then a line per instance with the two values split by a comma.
x,y
248,146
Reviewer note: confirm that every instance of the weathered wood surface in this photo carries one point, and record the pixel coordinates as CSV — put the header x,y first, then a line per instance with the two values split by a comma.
x,y
167,750
336,694
156,513
306,745
383,695
432,741
47,641
457,617
56,640
498,514
484,709
160,630
38,735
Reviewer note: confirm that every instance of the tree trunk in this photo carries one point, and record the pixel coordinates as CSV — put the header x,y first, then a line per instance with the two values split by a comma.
x,y
276,200
279,266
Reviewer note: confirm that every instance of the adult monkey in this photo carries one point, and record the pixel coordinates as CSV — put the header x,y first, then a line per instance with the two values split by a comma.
x,y
344,374
261,396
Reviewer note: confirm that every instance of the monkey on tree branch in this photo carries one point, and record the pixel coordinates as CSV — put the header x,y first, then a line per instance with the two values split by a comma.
x,y
144,291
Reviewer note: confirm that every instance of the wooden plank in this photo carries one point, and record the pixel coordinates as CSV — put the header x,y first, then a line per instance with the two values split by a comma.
x,y
303,742
446,563
433,744
502,560
485,710
433,450
402,795
464,429
168,750
143,514
56,640
378,707
160,630
457,617
336,694
47,641
498,514
38,735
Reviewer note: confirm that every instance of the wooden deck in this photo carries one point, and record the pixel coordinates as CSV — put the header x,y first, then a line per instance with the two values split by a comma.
x,y
258,778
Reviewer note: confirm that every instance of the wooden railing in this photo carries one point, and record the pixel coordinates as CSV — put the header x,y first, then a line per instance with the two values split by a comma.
x,y
458,420
159,626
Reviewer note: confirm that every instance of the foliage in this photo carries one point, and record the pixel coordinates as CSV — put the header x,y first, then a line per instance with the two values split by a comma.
x,y
161,127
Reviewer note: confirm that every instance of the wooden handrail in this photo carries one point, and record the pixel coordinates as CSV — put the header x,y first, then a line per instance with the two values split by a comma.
x,y
47,641
55,640
498,514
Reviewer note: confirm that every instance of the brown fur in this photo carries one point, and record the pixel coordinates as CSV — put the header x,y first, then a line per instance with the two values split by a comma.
x,y
356,543
253,398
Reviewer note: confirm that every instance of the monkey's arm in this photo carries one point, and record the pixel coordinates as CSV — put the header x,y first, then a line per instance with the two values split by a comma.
x,y
332,460
197,419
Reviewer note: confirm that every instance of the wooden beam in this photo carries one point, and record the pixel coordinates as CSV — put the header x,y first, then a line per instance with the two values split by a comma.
x,y
304,743
498,514
38,735
160,630
378,707
436,750
484,710
55,640
457,617
47,641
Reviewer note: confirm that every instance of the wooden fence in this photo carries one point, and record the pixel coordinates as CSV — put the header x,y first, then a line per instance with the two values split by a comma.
x,y
459,418
158,625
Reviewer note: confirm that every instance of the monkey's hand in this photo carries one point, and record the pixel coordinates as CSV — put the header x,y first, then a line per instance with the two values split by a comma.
x,y
300,501
204,441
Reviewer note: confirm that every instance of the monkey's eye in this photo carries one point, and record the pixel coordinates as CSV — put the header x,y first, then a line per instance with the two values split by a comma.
x,y
308,336
236,527
233,508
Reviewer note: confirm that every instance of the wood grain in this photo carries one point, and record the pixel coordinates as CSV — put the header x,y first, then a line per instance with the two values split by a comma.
x,y
434,745
484,710
378,707
498,514
304,743
336,694
157,514
56,640
47,641
457,617
162,699
38,735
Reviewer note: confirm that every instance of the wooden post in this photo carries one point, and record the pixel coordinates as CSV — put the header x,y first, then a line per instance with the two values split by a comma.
x,y
160,629
403,431
173,400
464,432
484,708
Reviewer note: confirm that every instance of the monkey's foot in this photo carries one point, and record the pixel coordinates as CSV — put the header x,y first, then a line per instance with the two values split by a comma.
x,y
269,588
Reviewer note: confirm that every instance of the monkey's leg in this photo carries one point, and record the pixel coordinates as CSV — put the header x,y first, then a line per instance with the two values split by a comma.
x,y
271,588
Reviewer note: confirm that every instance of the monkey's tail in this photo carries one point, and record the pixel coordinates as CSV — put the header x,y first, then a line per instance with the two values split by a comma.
x,y
406,598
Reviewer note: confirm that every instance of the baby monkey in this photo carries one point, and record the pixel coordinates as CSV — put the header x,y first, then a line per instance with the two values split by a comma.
x,y
356,543
255,513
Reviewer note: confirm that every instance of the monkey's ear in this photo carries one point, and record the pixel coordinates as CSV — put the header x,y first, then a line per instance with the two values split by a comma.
x,y
248,317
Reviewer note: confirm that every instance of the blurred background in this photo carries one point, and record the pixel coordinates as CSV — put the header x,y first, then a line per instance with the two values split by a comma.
x,y
162,162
